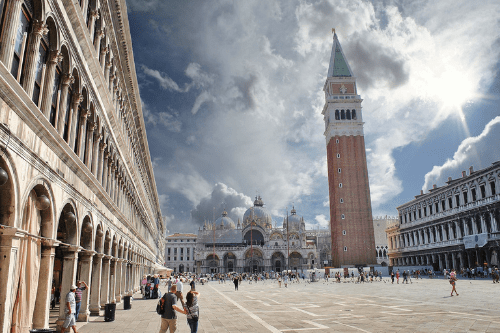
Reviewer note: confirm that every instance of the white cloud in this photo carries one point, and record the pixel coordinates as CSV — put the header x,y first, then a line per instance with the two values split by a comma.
x,y
222,197
261,66
478,151
322,221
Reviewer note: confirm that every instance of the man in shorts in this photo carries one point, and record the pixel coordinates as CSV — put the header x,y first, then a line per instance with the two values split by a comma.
x,y
70,311
169,317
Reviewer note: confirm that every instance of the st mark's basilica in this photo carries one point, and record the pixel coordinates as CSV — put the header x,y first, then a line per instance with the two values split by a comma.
x,y
255,245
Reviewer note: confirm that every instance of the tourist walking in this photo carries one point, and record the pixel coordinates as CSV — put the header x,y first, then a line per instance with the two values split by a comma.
x,y
236,280
78,296
397,276
70,310
179,286
279,280
453,279
192,310
169,317
285,280
192,284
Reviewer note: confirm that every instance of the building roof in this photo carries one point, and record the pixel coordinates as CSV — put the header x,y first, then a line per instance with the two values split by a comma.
x,y
338,62
177,235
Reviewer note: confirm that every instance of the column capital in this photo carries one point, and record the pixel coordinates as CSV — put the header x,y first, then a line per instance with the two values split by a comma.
x,y
99,255
84,115
67,79
94,13
109,64
107,257
104,50
77,98
102,145
55,56
99,33
89,253
40,28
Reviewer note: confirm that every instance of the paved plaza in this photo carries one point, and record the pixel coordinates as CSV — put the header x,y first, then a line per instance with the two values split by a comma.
x,y
423,306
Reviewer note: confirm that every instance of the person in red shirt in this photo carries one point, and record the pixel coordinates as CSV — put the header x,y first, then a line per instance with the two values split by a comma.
x,y
78,296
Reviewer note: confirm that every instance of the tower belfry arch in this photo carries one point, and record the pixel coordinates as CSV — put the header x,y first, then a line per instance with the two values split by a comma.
x,y
353,240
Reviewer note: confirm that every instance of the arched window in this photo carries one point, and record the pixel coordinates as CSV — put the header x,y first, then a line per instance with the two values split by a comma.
x,y
40,62
342,114
348,115
353,114
385,254
337,117
21,40
68,109
55,95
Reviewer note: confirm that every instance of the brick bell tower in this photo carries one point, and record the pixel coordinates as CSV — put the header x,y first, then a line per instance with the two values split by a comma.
x,y
351,222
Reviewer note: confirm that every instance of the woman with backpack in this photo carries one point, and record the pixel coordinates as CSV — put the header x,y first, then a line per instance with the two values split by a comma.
x,y
192,310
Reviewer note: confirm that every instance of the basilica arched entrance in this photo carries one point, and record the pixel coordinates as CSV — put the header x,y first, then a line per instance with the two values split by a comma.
x,y
212,262
229,262
278,261
254,261
295,261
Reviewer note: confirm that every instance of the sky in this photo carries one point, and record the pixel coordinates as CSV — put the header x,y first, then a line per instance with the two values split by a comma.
x,y
232,94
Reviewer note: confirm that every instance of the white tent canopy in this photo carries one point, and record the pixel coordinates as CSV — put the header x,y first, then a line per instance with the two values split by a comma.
x,y
161,269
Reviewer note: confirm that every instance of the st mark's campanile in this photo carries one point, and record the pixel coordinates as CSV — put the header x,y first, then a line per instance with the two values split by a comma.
x,y
351,224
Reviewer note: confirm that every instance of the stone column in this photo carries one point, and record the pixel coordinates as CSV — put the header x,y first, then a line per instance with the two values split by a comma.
x,y
107,68
112,77
87,159
95,288
109,176
66,81
77,99
48,85
103,160
42,304
102,60
105,168
68,279
94,15
118,289
80,134
483,223
105,281
38,31
461,257
97,40
112,285
86,275
474,226
11,22
9,251
95,154
494,225
123,280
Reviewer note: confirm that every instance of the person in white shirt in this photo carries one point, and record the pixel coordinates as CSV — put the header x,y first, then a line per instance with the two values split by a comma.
x,y
179,291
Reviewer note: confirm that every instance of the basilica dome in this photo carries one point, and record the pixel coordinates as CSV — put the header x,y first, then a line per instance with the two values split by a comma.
x,y
225,222
295,222
258,214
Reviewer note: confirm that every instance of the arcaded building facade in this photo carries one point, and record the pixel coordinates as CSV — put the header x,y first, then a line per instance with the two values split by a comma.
x,y
180,252
78,200
351,222
453,226
255,245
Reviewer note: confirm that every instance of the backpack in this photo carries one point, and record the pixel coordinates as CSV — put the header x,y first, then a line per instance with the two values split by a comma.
x,y
160,307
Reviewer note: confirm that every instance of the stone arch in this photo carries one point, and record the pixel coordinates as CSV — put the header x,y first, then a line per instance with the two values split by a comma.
x,y
114,247
42,188
87,232
107,243
254,236
67,227
120,248
66,59
9,193
99,239
53,34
